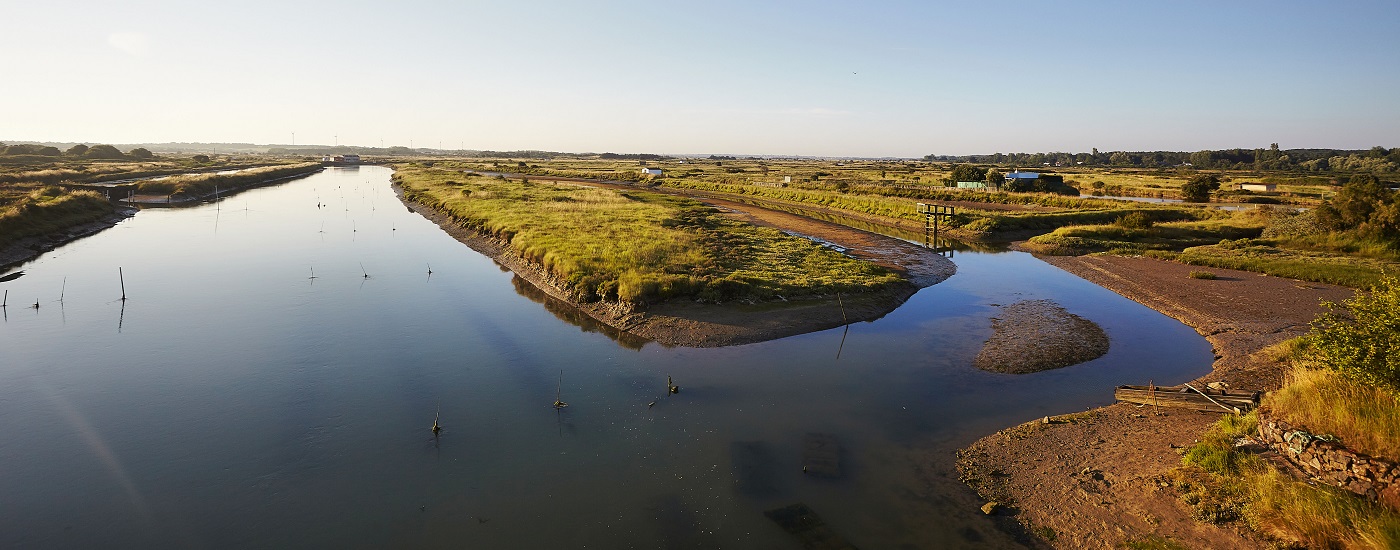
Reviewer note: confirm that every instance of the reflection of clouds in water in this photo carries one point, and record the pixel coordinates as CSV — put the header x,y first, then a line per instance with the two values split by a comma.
x,y
98,446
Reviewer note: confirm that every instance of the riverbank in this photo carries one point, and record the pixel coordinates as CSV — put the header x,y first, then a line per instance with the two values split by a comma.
x,y
1094,479
692,324
28,248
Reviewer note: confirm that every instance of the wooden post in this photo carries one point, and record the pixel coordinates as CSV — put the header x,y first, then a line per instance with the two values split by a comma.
x,y
122,278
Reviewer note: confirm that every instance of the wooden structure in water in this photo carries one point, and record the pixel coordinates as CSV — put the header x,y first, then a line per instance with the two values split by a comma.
x,y
821,455
934,216
804,523
1187,396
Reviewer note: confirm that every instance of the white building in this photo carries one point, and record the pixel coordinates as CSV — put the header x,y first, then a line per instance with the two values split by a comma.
x,y
652,172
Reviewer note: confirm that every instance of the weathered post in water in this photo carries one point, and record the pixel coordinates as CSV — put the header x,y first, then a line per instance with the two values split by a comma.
x,y
122,278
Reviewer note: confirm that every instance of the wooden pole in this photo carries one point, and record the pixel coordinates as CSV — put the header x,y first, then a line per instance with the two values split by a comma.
x,y
6,303
122,278
62,290
843,309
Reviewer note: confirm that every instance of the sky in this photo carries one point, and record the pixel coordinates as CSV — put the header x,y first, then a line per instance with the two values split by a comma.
x,y
819,78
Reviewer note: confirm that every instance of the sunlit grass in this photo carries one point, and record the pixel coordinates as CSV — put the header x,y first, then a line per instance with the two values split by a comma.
x,y
49,209
639,247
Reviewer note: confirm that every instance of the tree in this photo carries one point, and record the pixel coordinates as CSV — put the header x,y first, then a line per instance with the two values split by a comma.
x,y
77,150
1358,340
995,178
966,172
49,151
103,152
1200,187
200,158
1364,204
140,153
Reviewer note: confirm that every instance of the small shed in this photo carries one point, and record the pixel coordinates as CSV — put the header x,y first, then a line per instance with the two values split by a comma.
x,y
972,185
652,172
1259,187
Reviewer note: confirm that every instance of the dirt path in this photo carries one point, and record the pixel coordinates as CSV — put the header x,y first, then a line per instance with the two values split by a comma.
x,y
1092,478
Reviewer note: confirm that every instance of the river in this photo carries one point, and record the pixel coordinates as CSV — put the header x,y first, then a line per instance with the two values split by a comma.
x,y
272,376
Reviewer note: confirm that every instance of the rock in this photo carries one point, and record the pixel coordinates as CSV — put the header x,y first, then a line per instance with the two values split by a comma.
x,y
990,508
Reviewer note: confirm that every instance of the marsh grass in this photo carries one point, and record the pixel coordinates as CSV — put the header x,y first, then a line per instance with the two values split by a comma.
x,y
638,247
49,209
199,185
1222,484
1259,257
1365,418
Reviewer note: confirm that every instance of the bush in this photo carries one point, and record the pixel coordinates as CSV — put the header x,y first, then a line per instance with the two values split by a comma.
x,y
1134,220
1203,275
1199,188
1358,337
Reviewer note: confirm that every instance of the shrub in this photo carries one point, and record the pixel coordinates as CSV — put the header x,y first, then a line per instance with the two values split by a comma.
x,y
1203,275
1200,187
1358,337
1134,220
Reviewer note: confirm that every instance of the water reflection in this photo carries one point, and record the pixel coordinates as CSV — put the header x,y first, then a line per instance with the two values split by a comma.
x,y
568,313
247,394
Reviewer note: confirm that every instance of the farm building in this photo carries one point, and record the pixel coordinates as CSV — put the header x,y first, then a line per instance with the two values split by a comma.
x,y
652,172
972,185
1017,175
1259,187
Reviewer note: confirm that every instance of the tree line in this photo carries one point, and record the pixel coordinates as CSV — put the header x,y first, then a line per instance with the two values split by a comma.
x,y
1376,159
79,151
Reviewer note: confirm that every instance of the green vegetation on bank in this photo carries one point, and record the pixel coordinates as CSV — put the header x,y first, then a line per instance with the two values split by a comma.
x,y
1345,384
639,247
49,209
200,185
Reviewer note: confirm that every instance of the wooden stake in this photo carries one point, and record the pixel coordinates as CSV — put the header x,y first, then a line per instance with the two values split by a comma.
x,y
122,278
558,392
62,290
436,427
843,309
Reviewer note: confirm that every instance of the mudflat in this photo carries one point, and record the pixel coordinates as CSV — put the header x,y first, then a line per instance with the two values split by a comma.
x,y
1094,478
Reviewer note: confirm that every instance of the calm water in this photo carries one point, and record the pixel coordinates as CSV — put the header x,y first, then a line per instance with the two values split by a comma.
x,y
233,401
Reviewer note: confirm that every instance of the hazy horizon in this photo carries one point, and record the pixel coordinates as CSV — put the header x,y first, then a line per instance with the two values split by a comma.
x,y
824,79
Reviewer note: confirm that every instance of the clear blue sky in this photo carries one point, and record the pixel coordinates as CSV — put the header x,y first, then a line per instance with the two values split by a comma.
x,y
802,78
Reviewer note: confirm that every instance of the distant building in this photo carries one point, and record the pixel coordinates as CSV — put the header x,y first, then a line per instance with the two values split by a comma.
x,y
972,185
340,159
787,179
652,172
1017,175
1259,187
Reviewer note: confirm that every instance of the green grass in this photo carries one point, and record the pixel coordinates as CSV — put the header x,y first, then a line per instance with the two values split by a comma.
x,y
1170,236
49,209
1259,257
1204,275
638,247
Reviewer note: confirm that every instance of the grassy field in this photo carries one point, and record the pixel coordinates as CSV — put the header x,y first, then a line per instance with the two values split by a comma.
x,y
638,247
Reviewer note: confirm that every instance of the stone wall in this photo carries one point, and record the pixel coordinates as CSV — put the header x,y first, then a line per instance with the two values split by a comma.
x,y
1329,461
